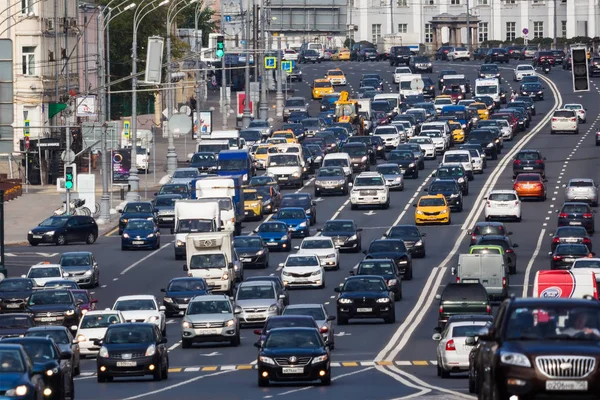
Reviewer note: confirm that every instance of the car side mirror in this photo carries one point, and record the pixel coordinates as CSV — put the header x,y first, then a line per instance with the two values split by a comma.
x,y
359,229
593,253
237,310
438,296
337,290
66,355
509,233
453,271
23,276
437,336
156,194
185,267
75,341
282,297
281,265
545,180
79,302
94,301
331,318
486,334
163,340
352,272
296,247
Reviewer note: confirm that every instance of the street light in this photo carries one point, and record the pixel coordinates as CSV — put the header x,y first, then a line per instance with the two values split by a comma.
x,y
134,180
171,15
199,9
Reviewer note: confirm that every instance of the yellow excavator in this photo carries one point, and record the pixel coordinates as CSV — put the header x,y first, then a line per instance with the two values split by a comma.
x,y
346,110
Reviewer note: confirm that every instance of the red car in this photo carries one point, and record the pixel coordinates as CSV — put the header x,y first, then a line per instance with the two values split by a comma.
x,y
83,296
455,92
512,120
541,56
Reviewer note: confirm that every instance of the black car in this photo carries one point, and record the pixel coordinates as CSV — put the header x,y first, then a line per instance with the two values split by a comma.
x,y
81,267
379,146
485,138
19,372
54,307
399,55
479,54
175,188
344,233
442,53
533,90
393,249
593,66
330,180
577,214
284,321
296,128
136,210
63,338
413,238
484,228
180,291
529,101
428,87
462,298
205,162
441,76
506,244
307,56
420,64
497,55
14,293
293,354
559,56
406,160
384,268
454,171
251,251
61,230
369,54
489,71
451,191
529,161
164,205
564,255
302,200
14,325
514,52
298,116
365,297
54,365
374,83
276,280
368,141
295,74
570,235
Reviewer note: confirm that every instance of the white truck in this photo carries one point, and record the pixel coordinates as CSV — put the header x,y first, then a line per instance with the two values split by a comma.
x,y
229,192
143,149
193,216
364,105
386,42
286,168
405,85
211,256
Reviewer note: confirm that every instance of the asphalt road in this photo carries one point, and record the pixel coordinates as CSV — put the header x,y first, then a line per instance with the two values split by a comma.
x,y
372,360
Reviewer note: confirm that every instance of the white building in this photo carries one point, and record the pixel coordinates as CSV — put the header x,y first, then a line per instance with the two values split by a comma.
x,y
502,20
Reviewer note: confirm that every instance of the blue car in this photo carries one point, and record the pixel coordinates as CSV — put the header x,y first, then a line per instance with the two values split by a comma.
x,y
180,291
17,378
275,234
140,234
136,209
296,219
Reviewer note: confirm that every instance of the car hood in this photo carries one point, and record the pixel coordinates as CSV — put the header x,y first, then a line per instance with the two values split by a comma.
x,y
272,235
11,380
140,314
133,215
11,332
302,270
291,351
15,295
163,209
50,308
402,163
292,222
391,177
446,193
92,333
336,233
76,269
243,251
316,252
255,303
127,347
553,347
283,170
367,295
195,318
64,347
186,294
44,229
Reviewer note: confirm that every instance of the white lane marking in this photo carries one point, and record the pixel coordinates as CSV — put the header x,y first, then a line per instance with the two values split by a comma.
x,y
335,378
422,390
192,369
426,385
253,362
138,262
531,261
415,194
176,345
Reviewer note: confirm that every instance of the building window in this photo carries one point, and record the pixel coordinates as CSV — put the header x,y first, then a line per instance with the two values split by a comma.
x,y
430,2
402,28
376,32
482,2
428,33
511,31
538,2
455,2
538,29
563,29
402,3
27,6
482,28
510,1
28,60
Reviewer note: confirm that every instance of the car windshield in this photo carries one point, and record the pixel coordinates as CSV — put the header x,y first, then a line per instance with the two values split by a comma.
x,y
295,103
335,162
575,209
573,106
432,202
248,241
432,134
325,84
81,296
502,197
375,268
449,172
586,263
194,225
386,131
387,246
302,261
339,226
331,172
251,136
239,164
207,261
389,170
335,73
370,181
52,272
364,285
16,285
581,249
489,230
283,160
489,68
570,231
295,201
44,298
140,224
421,140
442,186
185,173
62,284
291,214
40,352
255,292
11,361
15,321
316,312
295,339
316,244
209,307
130,334
59,336
525,68
252,196
170,189
138,208
462,158
273,227
99,321
273,323
487,89
467,330
355,151
528,178
135,305
203,158
166,201
551,322
225,203
258,124
55,222
401,155
530,86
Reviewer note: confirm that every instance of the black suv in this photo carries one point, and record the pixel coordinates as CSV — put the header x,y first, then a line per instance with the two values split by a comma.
x,y
462,298
497,55
399,55
55,307
451,191
63,229
529,161
442,53
307,56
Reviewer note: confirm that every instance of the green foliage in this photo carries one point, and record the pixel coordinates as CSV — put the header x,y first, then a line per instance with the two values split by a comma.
x,y
348,43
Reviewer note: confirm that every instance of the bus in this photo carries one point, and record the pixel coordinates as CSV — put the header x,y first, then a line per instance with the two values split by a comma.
x,y
488,87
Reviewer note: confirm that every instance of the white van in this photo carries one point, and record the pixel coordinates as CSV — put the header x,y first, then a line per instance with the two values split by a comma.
x,y
339,160
318,47
392,98
565,284
405,85
460,156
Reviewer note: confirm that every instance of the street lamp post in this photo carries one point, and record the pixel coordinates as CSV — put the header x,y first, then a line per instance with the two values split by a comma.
x,y
247,116
134,180
264,107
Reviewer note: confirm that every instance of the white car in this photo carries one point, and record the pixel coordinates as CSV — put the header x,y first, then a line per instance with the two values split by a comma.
x,y
460,156
399,71
290,55
142,308
406,126
389,134
523,70
440,103
93,325
452,350
579,109
45,272
302,270
477,158
369,189
590,264
427,146
459,53
502,204
322,247
564,120
436,137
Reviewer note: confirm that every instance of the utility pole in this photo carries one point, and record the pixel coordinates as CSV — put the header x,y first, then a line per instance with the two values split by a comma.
x,y
392,16
68,114
105,199
279,74
554,41
133,180
225,108
85,52
171,154
247,116
468,27
107,73
264,106
198,80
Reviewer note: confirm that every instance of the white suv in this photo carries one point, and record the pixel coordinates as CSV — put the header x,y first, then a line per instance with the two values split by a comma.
x,y
566,121
523,70
579,109
322,247
369,189
502,204
302,270
210,318
389,134
399,71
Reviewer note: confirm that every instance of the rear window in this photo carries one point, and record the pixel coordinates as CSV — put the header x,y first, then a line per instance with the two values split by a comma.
x,y
568,231
528,177
467,330
464,291
489,230
575,208
486,251
492,242
581,184
502,197
564,114
529,155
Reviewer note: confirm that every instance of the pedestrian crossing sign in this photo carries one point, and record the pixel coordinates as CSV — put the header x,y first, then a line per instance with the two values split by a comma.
x,y
286,66
270,62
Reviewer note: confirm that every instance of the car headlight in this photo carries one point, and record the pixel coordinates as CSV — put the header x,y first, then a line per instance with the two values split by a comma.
x,y
353,237
332,255
285,273
124,220
260,252
126,236
151,350
284,238
316,273
302,225
454,195
30,233
411,165
88,272
225,277
103,352
81,338
364,159
70,312
341,182
18,391
231,322
186,325
461,180
419,212
319,359
150,218
180,243
444,211
392,282
51,233
318,183
296,174
152,319
52,371
419,243
345,301
266,360
167,299
383,300
540,92
490,145
517,359
398,179
151,235
273,308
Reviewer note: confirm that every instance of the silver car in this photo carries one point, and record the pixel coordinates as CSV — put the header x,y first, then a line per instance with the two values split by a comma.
x,y
582,189
319,313
393,176
294,104
210,318
258,301
184,175
265,127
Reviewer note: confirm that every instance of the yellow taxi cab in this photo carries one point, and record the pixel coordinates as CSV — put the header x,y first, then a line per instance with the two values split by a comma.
x,y
335,55
344,55
276,141
458,133
432,210
482,110
287,135
336,77
252,204
261,155
320,88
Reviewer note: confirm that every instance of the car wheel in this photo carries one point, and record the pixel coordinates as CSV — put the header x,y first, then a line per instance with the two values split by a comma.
x,y
61,240
327,380
165,371
236,340
101,378
512,270
391,319
471,384
342,320
157,375
91,238
186,343
444,374
36,243
77,370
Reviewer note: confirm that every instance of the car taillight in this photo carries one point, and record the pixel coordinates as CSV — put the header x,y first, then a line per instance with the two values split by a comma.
x,y
574,119
539,161
563,215
457,279
324,329
488,309
587,215
489,204
517,162
441,309
554,119
586,241
503,282
517,203
473,237
556,240
450,345
509,251
557,258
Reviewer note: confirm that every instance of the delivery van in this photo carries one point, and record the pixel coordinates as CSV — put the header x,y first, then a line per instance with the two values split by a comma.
x,y
565,284
490,270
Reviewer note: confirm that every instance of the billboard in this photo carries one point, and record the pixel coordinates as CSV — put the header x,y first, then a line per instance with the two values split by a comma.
x,y
121,164
241,101
205,124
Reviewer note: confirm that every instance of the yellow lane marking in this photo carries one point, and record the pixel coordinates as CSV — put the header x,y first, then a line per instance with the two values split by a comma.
x,y
175,369
350,364
110,233
245,366
420,363
209,368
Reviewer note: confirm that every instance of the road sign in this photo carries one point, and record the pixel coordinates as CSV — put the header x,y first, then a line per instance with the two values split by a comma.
x,y
26,130
417,84
67,156
180,124
126,128
525,31
270,62
228,18
185,110
286,66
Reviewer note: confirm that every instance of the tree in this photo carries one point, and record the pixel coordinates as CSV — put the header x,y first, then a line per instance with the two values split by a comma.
x,y
348,43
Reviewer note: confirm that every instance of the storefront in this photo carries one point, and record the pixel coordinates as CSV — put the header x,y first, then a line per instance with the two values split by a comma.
x,y
43,158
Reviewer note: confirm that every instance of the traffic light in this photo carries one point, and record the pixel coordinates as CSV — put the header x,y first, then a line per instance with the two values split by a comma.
x,y
581,82
220,46
69,178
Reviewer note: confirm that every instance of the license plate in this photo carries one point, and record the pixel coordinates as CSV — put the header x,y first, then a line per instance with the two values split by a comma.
x,y
48,319
566,385
300,281
297,370
182,306
167,219
12,306
126,363
208,332
569,259
403,171
246,213
37,236
574,223
528,168
364,309
469,280
271,243
571,240
283,179
138,242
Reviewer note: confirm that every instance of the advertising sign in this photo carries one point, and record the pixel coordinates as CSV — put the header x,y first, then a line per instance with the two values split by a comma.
x,y
241,98
121,164
86,106
205,124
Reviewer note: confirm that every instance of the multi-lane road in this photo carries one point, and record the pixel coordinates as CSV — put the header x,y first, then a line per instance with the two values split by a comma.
x,y
371,360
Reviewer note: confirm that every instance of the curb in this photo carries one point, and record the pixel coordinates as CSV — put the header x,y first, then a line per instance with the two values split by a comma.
x,y
16,243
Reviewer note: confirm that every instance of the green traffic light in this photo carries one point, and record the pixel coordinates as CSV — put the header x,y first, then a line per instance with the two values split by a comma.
x,y
220,53
68,185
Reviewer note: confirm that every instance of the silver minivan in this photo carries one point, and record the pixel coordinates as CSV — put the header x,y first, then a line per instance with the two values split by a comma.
x,y
487,269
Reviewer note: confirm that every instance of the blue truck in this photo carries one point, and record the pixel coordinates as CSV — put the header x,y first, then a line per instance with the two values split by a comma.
x,y
235,162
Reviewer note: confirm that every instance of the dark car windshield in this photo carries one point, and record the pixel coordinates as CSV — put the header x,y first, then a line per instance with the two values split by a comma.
x,y
248,241
165,201
293,339
332,172
135,305
273,323
405,232
291,214
302,261
186,285
209,307
206,261
465,291
255,292
575,209
39,351
139,224
384,246
129,334
570,231
44,298
99,321
375,268
339,226
295,201
11,361
273,227
401,155
185,173
489,230
203,158
59,336
15,321
138,208
171,189
55,222
364,285
389,170
251,135
81,296
489,68
16,285
432,202
442,187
